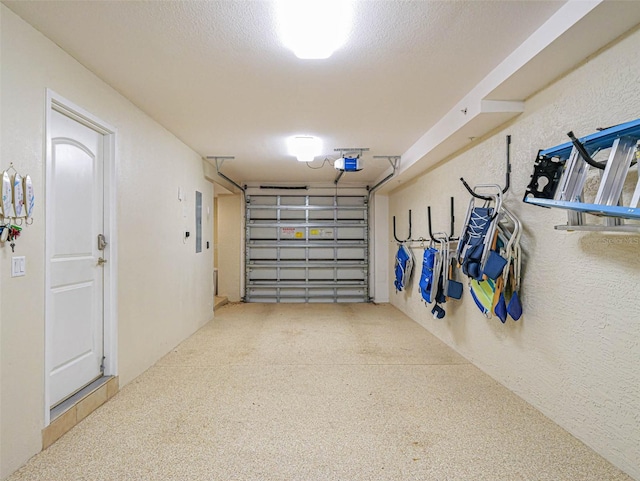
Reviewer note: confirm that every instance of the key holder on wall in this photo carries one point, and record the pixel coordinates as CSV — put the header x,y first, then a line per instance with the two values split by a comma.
x,y
16,205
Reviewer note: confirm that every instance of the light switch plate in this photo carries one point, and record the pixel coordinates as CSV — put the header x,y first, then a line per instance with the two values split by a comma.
x,y
18,266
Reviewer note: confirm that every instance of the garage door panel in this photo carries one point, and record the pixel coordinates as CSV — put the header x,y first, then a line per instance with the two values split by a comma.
x,y
292,215
306,249
292,274
292,253
352,274
322,254
351,215
264,214
262,274
263,233
351,253
322,215
262,253
322,274
351,233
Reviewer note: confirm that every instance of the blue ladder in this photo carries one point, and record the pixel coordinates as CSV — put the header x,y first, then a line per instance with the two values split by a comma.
x,y
560,174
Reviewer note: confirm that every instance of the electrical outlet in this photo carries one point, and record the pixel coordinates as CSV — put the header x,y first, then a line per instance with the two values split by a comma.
x,y
18,266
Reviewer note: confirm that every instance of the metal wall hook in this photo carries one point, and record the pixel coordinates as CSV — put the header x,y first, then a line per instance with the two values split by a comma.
x,y
395,236
450,236
453,221
429,222
508,176
585,155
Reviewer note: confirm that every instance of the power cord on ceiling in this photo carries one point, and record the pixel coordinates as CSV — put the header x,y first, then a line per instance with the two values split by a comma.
x,y
326,160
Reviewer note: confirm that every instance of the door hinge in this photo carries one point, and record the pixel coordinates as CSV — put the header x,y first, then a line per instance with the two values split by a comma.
x,y
102,365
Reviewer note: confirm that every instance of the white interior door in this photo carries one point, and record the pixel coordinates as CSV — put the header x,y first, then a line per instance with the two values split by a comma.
x,y
75,302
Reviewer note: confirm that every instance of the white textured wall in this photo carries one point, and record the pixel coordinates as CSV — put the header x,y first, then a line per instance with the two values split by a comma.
x,y
165,289
215,232
575,354
230,245
378,251
2,262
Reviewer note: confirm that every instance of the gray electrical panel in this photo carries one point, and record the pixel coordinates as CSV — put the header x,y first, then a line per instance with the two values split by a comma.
x,y
198,222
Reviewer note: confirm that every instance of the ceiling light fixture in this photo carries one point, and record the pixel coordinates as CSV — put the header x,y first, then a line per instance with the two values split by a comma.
x,y
313,29
305,147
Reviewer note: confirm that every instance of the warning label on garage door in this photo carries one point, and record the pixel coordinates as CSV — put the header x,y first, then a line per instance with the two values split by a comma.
x,y
291,233
321,233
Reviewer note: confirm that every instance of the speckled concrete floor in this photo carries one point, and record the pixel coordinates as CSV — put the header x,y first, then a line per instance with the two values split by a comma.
x,y
315,392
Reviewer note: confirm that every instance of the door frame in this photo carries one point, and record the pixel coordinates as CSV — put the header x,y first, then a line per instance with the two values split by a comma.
x,y
110,302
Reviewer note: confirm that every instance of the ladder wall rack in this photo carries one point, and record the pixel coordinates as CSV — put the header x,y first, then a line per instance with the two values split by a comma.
x,y
561,172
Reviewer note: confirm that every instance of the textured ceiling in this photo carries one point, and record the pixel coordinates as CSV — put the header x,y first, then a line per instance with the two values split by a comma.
x,y
216,75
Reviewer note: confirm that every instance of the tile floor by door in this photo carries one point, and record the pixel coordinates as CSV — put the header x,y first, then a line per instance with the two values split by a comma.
x,y
315,392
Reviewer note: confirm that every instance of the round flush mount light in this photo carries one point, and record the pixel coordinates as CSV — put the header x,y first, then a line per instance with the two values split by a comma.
x,y
305,147
314,29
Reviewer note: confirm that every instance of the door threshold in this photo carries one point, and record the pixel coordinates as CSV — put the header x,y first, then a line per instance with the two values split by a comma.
x,y
70,412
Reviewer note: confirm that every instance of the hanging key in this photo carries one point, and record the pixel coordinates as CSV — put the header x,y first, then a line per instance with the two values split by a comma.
x,y
14,232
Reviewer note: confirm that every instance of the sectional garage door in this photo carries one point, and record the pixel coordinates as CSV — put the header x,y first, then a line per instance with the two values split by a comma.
x,y
306,248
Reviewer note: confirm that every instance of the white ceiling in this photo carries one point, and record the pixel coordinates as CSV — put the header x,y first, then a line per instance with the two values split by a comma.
x,y
216,75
